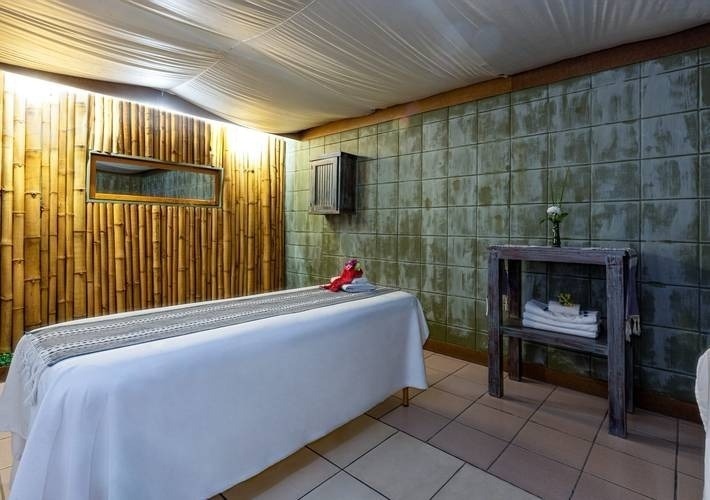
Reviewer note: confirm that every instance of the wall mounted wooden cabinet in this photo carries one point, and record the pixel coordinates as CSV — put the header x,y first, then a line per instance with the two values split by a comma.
x,y
333,184
146,180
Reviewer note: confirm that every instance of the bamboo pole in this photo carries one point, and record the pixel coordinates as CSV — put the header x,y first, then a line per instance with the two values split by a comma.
x,y
163,135
44,212
141,128
164,268
191,254
115,124
69,195
32,221
106,121
97,256
157,260
53,209
251,233
148,235
18,222
148,131
106,265
142,259
79,203
181,257
267,262
203,255
62,208
6,207
89,252
174,270
119,257
135,257
98,124
111,258
90,117
124,141
184,139
128,261
134,129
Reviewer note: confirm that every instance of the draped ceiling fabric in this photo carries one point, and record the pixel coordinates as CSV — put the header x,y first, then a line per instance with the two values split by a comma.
x,y
285,65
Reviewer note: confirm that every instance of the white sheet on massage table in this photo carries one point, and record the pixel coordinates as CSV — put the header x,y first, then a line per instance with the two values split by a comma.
x,y
190,416
702,395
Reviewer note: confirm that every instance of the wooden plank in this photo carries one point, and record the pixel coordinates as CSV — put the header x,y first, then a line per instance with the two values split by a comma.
x,y
617,346
495,334
570,255
583,344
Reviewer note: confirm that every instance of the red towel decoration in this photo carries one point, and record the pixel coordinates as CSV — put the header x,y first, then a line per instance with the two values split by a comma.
x,y
352,270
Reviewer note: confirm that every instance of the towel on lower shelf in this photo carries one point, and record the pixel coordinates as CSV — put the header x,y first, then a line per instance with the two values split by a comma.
x,y
541,309
358,285
559,329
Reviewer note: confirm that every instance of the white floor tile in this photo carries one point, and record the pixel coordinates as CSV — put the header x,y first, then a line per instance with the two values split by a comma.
x,y
404,468
291,478
351,441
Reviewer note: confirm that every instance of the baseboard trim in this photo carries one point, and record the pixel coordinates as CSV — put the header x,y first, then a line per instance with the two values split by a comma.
x,y
659,403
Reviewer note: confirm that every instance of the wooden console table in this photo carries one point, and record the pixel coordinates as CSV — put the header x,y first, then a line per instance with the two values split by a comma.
x,y
612,343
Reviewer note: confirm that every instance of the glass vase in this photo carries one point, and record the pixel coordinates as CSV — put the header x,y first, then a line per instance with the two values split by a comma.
x,y
556,234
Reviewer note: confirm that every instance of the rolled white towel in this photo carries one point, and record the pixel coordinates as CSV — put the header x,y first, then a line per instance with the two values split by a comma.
x,y
541,309
558,308
571,331
587,327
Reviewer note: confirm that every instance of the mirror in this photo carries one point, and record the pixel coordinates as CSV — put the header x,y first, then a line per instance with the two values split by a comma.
x,y
145,180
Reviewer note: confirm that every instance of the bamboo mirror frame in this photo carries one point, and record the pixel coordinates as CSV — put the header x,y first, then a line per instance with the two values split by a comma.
x,y
121,178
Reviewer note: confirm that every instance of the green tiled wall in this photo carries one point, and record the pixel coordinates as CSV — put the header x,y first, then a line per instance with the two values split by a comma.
x,y
435,189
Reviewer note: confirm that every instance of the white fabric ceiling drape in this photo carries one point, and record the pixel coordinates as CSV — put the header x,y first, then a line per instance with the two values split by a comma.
x,y
285,65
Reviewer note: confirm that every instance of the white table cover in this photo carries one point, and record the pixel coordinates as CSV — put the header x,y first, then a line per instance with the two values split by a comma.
x,y
702,395
190,416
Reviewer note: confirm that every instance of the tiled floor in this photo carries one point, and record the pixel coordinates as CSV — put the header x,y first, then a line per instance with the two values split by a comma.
x,y
454,442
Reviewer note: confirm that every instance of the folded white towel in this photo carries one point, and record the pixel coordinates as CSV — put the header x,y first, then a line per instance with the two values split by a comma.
x,y
542,326
361,281
541,309
587,327
558,308
352,288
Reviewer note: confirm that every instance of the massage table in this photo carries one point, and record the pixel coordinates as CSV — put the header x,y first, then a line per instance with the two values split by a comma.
x,y
188,417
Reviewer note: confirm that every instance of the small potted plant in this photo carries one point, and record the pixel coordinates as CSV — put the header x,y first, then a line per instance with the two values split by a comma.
x,y
555,214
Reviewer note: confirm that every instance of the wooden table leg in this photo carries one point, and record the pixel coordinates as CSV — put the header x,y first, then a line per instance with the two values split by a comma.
x,y
515,361
495,335
514,293
616,338
405,396
630,404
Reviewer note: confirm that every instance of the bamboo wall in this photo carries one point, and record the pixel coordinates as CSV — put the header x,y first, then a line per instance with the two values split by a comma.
x,y
62,257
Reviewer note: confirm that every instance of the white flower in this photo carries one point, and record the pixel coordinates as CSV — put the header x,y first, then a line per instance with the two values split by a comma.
x,y
554,210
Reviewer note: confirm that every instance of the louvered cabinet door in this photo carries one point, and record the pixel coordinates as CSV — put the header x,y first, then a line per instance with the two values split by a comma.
x,y
333,184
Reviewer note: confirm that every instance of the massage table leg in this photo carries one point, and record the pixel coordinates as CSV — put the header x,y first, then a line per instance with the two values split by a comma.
x,y
405,396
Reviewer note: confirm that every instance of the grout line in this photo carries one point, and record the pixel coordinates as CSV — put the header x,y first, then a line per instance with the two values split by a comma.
x,y
363,482
586,459
521,428
322,482
450,478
